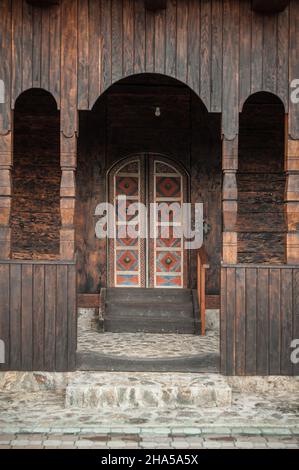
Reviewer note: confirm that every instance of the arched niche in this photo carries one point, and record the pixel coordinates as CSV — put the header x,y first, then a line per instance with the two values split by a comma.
x,y
35,215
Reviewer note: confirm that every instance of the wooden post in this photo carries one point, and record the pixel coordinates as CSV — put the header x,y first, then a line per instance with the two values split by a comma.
x,y
5,194
230,200
68,162
292,201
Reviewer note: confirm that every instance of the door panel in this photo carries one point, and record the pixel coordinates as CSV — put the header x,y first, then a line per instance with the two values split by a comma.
x,y
153,261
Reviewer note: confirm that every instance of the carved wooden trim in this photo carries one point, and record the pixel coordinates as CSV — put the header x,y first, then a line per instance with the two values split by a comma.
x,y
292,201
5,194
68,163
230,200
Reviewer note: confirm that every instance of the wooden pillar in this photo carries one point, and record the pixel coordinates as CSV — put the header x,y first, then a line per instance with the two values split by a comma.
x,y
5,194
68,162
229,200
292,201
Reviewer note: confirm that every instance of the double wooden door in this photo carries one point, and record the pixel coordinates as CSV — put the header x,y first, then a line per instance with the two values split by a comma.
x,y
147,249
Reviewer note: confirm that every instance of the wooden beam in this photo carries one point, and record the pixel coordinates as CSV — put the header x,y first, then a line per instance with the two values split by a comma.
x,y
155,4
269,6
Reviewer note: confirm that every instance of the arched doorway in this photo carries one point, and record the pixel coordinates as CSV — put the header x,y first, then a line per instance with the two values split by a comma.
x,y
154,254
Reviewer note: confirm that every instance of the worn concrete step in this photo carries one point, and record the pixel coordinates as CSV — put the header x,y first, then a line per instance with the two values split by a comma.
x,y
147,390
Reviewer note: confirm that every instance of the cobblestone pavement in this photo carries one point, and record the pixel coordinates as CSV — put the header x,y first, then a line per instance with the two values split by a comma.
x,y
152,439
142,345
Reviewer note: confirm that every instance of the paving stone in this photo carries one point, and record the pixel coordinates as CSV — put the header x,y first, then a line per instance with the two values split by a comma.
x,y
215,430
19,443
2,446
243,444
52,443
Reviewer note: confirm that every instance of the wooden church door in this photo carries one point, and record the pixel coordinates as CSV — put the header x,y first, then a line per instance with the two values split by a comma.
x,y
154,256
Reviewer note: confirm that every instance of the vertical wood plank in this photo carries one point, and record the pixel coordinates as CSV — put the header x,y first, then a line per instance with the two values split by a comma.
x,y
274,322
230,112
72,317
251,321
61,349
117,40
37,43
257,53
262,322
17,63
95,48
283,57
230,321
27,46
128,33
171,37
223,320
270,54
205,53
149,41
54,53
294,67
106,44
160,42
240,320
69,62
139,35
296,313
15,316
4,314
286,320
6,64
38,317
45,49
27,317
194,46
50,316
217,44
182,38
245,50
83,53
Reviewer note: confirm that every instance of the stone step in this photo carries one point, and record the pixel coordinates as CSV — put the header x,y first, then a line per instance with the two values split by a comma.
x,y
147,390
148,294
154,324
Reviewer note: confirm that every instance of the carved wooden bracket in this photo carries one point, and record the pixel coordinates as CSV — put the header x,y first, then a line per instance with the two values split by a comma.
x,y
155,4
269,6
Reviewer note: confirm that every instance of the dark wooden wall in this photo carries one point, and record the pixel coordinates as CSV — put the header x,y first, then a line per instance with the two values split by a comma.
x,y
124,123
259,319
36,175
261,181
38,315
221,49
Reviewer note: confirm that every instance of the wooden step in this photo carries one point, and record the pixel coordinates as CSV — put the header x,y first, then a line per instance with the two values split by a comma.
x,y
132,310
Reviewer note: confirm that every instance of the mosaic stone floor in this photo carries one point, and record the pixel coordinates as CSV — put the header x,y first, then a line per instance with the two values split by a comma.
x,y
141,345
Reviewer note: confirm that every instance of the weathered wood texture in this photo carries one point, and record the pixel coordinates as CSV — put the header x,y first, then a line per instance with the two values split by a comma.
x,y
38,315
222,49
259,319
261,181
124,123
35,214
